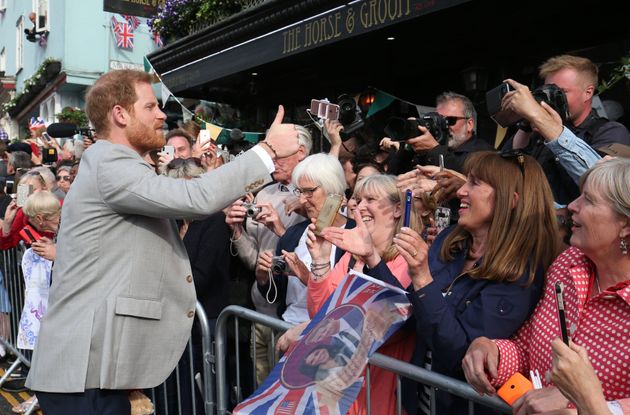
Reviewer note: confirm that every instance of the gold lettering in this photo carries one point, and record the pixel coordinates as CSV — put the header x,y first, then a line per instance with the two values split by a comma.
x,y
285,49
307,35
408,8
391,14
373,13
291,40
350,20
364,15
382,12
337,18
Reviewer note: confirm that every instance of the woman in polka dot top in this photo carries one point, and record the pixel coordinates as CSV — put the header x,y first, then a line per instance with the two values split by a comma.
x,y
595,272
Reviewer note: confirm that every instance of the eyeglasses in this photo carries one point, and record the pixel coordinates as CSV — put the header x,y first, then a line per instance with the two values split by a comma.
x,y
451,120
179,162
64,178
306,192
517,156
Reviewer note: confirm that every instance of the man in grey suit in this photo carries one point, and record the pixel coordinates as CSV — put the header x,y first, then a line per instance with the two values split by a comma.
x,y
122,301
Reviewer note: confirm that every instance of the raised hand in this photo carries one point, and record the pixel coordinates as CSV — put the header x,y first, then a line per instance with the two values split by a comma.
x,y
357,241
416,252
282,139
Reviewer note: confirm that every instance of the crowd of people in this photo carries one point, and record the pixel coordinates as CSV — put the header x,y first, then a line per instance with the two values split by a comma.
x,y
144,234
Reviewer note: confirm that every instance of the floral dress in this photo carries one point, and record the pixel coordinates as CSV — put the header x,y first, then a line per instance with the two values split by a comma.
x,y
37,272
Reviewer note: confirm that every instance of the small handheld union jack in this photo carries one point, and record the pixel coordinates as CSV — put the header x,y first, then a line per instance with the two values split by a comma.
x,y
124,37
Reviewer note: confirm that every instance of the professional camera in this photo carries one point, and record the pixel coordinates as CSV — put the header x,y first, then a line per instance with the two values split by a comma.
x,y
349,115
237,143
278,265
554,97
251,210
401,129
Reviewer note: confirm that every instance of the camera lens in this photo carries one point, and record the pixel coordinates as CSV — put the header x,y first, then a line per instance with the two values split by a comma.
x,y
278,265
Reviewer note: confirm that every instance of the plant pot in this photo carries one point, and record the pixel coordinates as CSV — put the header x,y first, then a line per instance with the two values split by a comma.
x,y
52,69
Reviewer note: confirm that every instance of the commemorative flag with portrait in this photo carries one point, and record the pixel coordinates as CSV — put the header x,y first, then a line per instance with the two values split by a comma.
x,y
322,372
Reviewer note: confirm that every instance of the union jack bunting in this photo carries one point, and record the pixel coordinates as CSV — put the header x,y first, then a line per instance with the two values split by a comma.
x,y
133,21
322,372
36,123
157,39
115,25
124,37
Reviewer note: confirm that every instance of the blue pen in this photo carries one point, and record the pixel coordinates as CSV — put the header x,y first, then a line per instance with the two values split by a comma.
x,y
408,196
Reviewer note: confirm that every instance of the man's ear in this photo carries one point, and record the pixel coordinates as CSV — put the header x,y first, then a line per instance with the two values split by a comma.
x,y
589,91
120,116
302,152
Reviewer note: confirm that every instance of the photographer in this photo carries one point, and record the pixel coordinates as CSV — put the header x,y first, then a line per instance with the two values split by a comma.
x,y
577,78
461,120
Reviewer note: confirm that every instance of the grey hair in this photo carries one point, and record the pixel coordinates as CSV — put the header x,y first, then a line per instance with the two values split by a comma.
x,y
46,174
612,179
41,203
469,107
305,138
184,171
322,169
20,160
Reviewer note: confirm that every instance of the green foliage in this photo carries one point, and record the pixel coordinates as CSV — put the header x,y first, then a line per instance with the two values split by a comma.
x,y
620,72
73,116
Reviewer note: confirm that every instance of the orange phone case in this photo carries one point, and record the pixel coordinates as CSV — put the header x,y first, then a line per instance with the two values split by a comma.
x,y
514,388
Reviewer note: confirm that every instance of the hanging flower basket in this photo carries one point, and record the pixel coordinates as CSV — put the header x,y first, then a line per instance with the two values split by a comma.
x,y
52,70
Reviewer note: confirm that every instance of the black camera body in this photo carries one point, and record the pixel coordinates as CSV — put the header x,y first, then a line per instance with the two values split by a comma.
x,y
278,265
251,210
554,97
401,129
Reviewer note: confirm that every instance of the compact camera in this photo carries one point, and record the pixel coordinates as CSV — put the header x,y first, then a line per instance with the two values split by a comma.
x,y
401,129
278,265
251,210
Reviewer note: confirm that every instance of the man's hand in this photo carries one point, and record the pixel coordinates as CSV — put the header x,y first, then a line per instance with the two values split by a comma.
x,y
164,159
333,132
235,217
263,267
481,359
542,118
282,139
424,142
448,183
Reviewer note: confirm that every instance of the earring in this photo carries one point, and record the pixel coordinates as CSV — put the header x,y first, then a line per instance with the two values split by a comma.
x,y
623,246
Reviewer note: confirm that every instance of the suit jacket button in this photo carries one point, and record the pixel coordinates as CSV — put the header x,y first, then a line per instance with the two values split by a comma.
x,y
189,278
191,314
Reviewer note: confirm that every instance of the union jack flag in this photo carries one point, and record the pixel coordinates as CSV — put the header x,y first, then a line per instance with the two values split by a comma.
x,y
36,123
115,25
158,39
133,21
299,384
124,37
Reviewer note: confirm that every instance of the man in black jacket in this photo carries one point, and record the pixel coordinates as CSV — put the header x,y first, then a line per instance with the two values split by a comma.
x,y
461,117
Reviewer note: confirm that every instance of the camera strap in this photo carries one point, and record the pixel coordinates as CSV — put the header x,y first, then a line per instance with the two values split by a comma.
x,y
272,282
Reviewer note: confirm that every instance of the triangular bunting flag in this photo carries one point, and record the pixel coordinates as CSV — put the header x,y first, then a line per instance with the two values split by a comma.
x,y
382,100
215,130
166,94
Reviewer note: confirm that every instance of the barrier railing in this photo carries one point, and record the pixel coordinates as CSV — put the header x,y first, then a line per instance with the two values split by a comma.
x,y
421,375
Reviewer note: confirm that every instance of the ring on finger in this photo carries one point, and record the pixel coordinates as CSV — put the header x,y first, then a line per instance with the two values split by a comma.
x,y
414,253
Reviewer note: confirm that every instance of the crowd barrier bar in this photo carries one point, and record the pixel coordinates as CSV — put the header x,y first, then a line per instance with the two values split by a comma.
x,y
421,375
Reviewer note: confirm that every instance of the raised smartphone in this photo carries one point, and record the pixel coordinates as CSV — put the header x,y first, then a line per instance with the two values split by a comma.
x,y
408,201
561,315
326,216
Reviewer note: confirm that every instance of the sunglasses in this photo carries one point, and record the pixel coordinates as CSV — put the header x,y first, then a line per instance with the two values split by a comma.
x,y
64,178
451,120
179,162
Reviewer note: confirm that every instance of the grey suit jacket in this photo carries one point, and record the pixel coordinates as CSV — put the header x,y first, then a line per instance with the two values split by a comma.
x,y
122,299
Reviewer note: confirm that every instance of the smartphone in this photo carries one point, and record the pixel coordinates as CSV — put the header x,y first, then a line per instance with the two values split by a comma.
x,y
324,110
204,136
23,192
9,187
561,315
441,162
170,150
408,200
46,137
514,388
442,218
327,215
29,235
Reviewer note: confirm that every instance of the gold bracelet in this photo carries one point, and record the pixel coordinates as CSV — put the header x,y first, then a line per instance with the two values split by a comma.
x,y
270,148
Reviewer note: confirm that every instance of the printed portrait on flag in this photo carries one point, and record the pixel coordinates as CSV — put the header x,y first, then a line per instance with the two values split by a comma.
x,y
323,371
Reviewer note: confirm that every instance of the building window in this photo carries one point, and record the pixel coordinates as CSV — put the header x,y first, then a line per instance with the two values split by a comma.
x,y
3,6
40,7
48,108
3,60
19,43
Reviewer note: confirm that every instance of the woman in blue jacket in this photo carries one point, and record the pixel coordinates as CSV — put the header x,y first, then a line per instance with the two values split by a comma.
x,y
483,276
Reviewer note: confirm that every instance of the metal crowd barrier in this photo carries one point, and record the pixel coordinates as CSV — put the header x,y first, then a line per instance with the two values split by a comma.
x,y
402,369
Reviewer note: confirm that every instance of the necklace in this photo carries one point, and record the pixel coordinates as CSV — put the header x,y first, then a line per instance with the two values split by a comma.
x,y
599,290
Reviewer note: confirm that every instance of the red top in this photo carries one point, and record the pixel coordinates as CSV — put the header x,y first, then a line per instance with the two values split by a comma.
x,y
601,324
13,239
